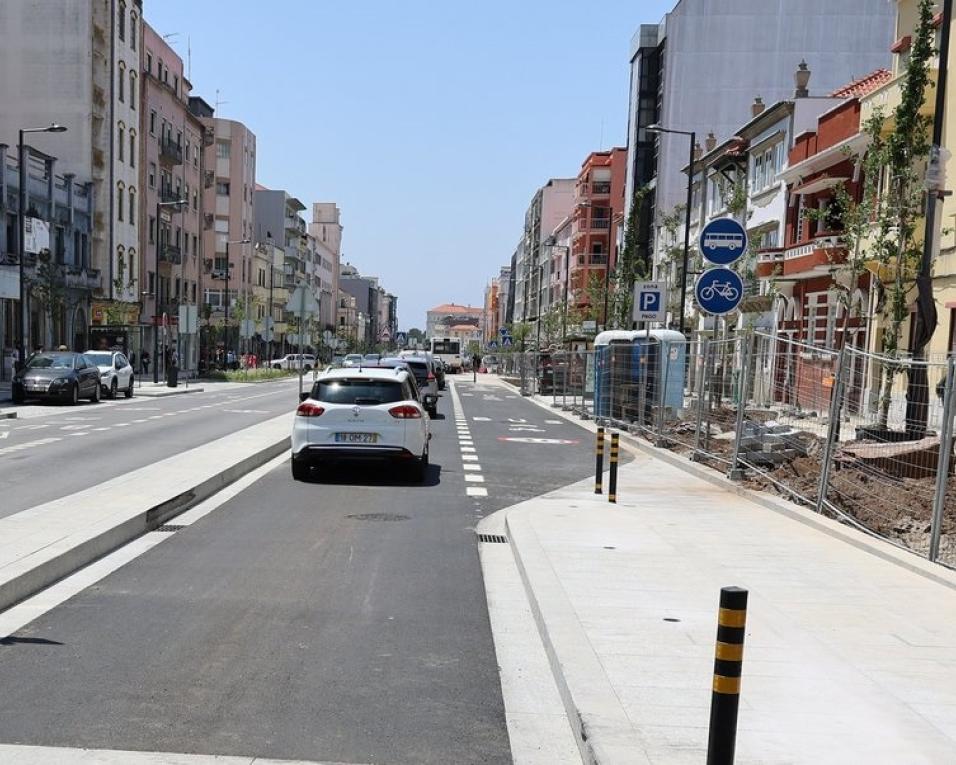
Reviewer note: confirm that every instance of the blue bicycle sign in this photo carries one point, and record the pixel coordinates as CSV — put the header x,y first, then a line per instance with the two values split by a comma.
x,y
718,291
723,241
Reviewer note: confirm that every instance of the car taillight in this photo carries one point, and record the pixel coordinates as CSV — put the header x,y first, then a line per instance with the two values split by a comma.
x,y
431,376
405,412
308,409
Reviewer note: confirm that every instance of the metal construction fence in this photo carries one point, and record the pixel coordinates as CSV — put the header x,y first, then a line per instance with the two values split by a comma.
x,y
862,438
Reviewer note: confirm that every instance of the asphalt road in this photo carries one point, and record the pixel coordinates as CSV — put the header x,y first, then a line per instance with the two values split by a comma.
x,y
56,450
343,619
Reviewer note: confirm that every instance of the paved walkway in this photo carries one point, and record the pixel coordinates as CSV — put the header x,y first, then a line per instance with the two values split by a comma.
x,y
849,649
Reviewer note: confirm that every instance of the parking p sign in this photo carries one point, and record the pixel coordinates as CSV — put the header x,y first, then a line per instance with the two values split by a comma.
x,y
649,301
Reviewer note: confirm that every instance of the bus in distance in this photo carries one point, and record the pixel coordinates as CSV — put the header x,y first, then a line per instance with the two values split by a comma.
x,y
448,349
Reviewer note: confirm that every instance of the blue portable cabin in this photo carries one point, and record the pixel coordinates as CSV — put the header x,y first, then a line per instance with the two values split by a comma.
x,y
628,360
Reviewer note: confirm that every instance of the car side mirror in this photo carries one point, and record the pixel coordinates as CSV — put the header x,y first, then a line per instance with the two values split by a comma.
x,y
303,396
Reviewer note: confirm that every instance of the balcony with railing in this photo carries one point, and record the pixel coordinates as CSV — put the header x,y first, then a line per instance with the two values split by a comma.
x,y
601,189
814,257
170,152
168,194
769,262
170,253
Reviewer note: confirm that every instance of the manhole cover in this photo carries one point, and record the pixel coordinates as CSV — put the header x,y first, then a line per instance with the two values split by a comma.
x,y
378,517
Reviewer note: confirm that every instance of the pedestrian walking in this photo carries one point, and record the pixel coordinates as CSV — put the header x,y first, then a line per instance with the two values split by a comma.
x,y
145,362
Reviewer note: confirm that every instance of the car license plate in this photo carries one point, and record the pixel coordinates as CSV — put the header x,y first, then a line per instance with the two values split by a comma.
x,y
356,438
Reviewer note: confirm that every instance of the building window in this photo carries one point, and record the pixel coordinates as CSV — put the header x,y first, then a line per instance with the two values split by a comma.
x,y
222,188
195,199
132,206
132,148
149,62
152,175
121,141
176,84
120,206
152,230
132,266
122,21
122,82
132,91
152,122
222,149
132,31
151,279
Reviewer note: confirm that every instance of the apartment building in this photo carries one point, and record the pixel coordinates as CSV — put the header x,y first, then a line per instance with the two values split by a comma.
x,y
677,83
326,230
549,206
171,156
61,209
596,219
440,319
80,68
229,176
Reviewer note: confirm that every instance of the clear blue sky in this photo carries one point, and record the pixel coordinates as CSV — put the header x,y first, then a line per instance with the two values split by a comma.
x,y
430,123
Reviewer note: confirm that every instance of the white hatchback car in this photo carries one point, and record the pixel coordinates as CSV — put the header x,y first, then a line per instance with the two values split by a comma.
x,y
361,414
116,373
304,361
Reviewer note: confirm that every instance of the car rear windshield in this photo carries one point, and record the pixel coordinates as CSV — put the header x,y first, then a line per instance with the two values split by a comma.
x,y
419,369
360,392
101,359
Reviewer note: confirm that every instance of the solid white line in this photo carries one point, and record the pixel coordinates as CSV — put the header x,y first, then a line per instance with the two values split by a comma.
x,y
474,478
476,491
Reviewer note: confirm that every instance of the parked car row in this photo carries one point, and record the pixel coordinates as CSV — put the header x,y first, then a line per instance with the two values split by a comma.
x,y
67,376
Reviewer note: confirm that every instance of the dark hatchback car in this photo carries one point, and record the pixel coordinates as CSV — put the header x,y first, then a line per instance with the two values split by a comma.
x,y
63,376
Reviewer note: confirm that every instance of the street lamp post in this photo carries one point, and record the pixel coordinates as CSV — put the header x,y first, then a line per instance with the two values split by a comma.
x,y
225,326
690,198
159,207
22,227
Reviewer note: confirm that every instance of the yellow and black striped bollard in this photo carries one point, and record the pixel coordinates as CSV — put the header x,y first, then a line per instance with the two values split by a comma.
x,y
599,462
728,661
612,481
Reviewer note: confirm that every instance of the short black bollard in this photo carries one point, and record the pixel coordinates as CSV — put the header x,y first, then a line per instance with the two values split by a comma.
x,y
599,462
728,661
612,481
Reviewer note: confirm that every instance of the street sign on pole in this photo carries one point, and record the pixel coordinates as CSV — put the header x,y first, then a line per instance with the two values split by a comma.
x,y
504,332
723,241
649,304
507,342
718,291
401,338
493,345
247,328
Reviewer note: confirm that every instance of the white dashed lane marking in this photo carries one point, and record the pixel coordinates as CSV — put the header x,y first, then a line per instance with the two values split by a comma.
x,y
476,491
468,466
474,478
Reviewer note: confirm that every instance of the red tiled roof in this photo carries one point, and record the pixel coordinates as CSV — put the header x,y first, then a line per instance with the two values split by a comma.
x,y
453,308
864,85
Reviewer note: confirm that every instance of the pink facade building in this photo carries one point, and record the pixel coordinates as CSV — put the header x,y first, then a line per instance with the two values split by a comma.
x,y
170,211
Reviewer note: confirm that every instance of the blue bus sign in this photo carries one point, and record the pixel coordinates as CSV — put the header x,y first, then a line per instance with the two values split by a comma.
x,y
723,241
718,291
504,332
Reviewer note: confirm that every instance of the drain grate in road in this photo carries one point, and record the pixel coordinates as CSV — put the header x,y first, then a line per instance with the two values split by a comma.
x,y
492,539
387,517
169,527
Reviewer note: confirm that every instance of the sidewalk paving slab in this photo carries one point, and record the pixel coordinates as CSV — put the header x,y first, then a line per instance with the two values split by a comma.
x,y
848,655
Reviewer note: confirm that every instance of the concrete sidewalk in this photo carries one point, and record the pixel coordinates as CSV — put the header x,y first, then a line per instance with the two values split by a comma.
x,y
849,648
